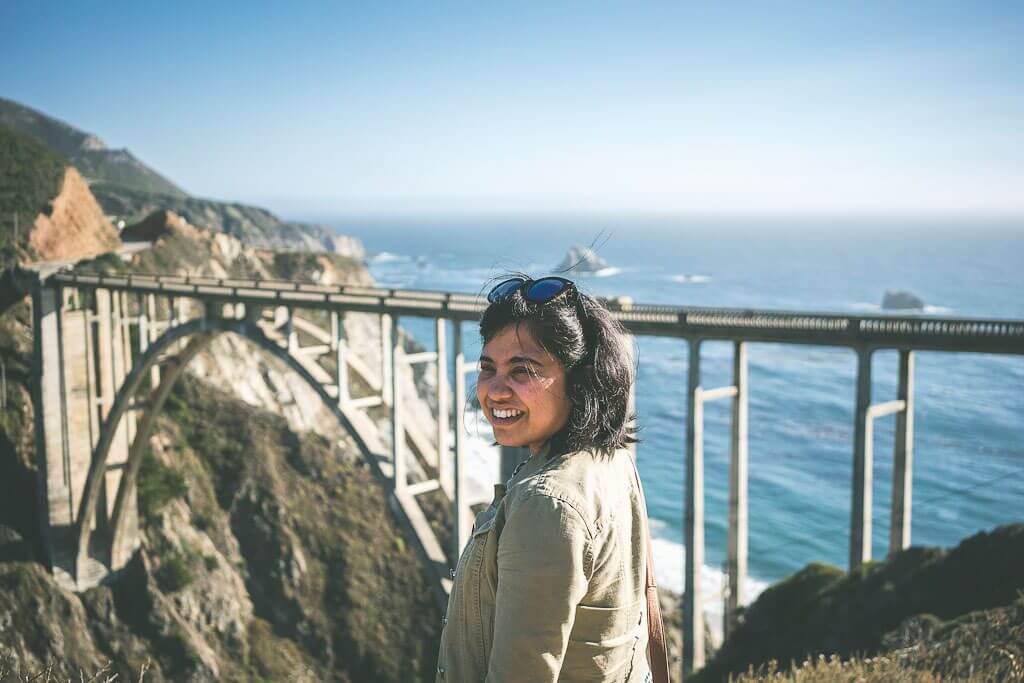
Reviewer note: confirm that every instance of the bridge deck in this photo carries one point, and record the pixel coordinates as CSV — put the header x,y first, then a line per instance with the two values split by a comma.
x,y
927,333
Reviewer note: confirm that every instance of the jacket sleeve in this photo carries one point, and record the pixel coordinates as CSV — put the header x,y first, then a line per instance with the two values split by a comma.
x,y
542,576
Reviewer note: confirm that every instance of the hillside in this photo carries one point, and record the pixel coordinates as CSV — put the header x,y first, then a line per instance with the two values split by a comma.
x,y
252,225
905,601
85,151
128,189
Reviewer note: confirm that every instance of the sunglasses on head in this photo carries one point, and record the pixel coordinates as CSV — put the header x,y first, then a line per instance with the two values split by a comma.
x,y
535,291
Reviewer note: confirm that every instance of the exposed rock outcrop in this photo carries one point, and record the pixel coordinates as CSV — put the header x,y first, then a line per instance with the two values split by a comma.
x,y
157,225
75,226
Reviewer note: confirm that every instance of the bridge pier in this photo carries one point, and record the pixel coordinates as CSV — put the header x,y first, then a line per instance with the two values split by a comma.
x,y
737,541
863,459
693,604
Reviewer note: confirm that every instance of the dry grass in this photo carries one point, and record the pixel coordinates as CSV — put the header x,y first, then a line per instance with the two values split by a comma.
x,y
981,646
11,672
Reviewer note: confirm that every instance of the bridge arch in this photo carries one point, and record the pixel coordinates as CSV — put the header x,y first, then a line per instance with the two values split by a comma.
x,y
199,333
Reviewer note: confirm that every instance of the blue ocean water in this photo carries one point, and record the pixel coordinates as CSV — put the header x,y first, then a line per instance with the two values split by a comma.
x,y
969,417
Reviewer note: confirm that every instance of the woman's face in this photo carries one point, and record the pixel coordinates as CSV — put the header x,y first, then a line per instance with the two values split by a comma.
x,y
521,389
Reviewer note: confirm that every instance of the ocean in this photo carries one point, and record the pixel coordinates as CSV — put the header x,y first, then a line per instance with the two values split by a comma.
x,y
969,413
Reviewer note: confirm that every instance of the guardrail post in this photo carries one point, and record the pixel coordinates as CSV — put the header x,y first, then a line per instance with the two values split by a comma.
x,y
860,513
903,457
737,554
693,605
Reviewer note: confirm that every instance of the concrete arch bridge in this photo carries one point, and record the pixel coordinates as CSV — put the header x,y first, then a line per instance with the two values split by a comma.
x,y
108,349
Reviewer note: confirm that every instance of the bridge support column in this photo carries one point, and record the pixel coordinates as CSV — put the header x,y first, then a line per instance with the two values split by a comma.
x,y
397,430
340,346
693,604
460,516
737,552
151,335
443,407
115,360
631,401
860,513
386,350
903,457
58,515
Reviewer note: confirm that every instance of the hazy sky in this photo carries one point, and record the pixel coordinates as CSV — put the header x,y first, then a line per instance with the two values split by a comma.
x,y
780,107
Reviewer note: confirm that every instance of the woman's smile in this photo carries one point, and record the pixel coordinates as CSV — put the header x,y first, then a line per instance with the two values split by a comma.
x,y
504,417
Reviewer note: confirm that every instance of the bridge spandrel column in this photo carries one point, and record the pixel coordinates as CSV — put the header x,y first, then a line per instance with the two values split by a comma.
x,y
79,399
863,465
112,369
51,450
693,604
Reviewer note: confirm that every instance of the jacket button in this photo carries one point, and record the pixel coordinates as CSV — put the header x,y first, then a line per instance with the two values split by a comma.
x,y
444,621
440,670
451,572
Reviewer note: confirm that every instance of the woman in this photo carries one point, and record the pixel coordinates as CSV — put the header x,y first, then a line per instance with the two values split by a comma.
x,y
551,586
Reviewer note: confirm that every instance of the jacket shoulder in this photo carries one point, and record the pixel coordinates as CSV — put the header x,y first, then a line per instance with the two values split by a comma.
x,y
584,481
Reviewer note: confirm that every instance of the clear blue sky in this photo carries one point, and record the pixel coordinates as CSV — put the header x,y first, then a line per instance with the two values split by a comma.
x,y
780,107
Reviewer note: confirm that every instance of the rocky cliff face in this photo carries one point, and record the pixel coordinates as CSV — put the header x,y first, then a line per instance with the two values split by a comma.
x,y
75,225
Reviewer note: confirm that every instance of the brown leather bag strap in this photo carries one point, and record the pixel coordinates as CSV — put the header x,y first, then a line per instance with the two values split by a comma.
x,y
657,647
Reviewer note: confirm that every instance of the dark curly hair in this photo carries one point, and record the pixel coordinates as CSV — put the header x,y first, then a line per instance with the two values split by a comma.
x,y
593,347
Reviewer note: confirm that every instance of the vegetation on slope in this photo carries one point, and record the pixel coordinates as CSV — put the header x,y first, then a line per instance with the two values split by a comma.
x,y
326,565
30,177
823,610
85,151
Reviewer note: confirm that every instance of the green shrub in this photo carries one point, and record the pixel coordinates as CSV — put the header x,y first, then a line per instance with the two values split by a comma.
x,y
158,485
175,572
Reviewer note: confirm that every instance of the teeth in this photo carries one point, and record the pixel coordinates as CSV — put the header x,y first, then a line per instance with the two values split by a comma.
x,y
505,414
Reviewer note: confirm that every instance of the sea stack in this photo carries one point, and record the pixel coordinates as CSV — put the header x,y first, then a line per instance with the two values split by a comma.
x,y
900,300
581,259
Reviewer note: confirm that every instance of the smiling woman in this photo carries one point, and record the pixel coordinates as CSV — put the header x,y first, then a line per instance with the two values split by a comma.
x,y
552,584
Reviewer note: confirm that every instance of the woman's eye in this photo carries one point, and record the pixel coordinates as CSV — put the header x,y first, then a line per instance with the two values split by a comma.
x,y
520,372
486,370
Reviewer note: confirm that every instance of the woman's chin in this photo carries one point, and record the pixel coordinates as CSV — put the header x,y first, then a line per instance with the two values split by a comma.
x,y
508,440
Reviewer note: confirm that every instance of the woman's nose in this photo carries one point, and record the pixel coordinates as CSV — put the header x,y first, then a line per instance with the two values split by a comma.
x,y
498,388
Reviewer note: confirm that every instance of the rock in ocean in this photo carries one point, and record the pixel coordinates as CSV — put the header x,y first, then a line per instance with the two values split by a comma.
x,y
898,299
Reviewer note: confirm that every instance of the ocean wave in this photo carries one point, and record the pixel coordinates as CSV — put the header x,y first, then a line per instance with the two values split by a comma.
x,y
607,272
690,279
388,257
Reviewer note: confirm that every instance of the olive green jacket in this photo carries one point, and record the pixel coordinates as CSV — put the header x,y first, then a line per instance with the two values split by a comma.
x,y
550,586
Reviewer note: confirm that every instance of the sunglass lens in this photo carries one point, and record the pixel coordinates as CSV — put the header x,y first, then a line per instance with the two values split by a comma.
x,y
503,289
545,289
